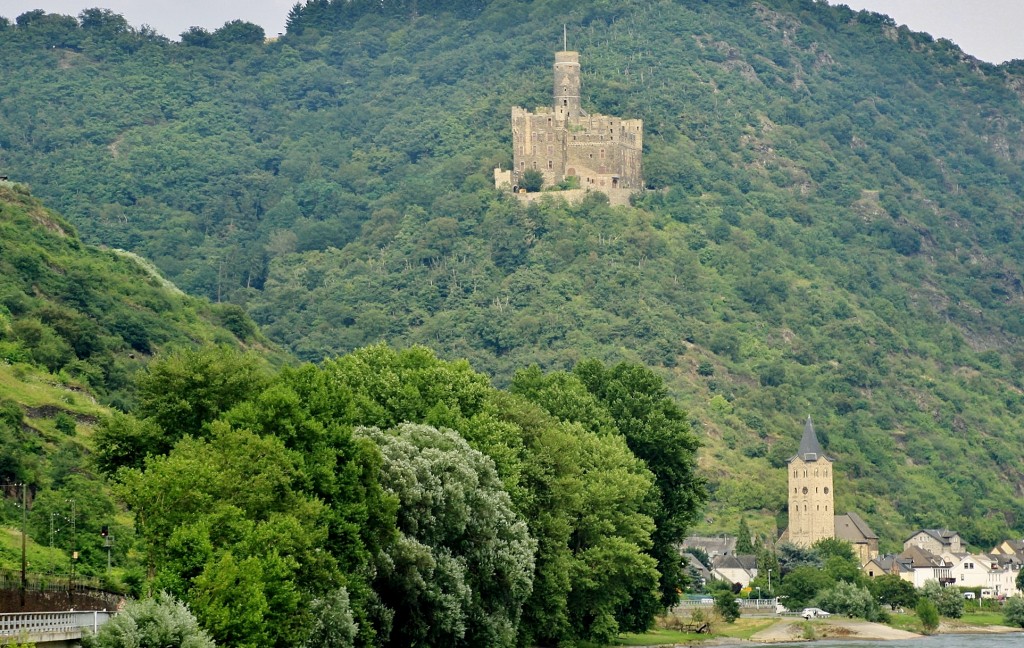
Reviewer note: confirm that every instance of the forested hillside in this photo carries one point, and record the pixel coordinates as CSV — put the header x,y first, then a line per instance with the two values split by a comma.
x,y
77,324
831,227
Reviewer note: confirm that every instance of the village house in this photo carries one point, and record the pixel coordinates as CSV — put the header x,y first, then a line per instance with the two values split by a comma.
x,y
735,568
937,541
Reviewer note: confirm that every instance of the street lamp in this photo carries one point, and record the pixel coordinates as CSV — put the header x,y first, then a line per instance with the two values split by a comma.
x,y
769,579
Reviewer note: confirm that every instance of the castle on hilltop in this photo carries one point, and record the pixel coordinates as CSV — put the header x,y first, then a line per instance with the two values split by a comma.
x,y
562,141
812,512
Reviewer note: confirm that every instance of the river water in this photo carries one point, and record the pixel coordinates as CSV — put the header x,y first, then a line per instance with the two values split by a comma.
x,y
1012,640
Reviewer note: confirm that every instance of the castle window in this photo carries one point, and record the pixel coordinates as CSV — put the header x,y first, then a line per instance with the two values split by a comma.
x,y
815,489
826,507
565,102
602,152
549,121
805,472
550,165
819,507
794,474
815,472
805,507
826,490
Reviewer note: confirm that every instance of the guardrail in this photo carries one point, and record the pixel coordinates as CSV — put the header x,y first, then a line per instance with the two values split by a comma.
x,y
745,604
36,623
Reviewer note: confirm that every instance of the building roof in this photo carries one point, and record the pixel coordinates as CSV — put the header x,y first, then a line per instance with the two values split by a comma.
x,y
746,562
891,564
922,558
697,566
943,536
852,528
712,545
1017,546
810,449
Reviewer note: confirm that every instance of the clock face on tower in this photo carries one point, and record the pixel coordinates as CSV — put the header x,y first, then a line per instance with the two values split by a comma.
x,y
805,490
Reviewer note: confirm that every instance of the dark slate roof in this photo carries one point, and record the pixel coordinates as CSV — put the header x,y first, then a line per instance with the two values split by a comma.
x,y
944,536
893,564
746,562
809,445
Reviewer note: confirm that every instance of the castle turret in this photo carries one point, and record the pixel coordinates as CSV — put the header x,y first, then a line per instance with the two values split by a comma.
x,y
567,85
811,500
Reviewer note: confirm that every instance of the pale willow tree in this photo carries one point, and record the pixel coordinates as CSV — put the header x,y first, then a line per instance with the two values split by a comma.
x,y
462,565
158,622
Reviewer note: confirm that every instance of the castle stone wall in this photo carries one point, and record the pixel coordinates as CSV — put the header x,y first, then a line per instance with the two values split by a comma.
x,y
604,152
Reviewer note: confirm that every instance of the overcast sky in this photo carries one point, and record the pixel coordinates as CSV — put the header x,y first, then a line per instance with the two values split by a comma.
x,y
991,30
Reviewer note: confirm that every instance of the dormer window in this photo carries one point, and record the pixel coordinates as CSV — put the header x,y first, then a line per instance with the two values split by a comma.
x,y
811,456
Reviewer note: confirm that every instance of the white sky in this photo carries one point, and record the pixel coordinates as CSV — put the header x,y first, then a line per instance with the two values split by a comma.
x,y
991,30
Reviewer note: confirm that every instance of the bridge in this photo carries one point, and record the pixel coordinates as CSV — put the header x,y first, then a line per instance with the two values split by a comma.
x,y
50,629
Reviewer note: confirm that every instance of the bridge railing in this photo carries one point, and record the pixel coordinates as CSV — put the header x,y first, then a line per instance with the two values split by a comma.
x,y
34,623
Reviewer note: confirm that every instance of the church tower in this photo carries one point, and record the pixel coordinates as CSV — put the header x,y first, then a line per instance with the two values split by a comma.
x,y
811,505
567,85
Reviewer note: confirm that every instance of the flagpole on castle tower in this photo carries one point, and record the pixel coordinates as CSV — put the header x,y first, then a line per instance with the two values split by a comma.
x,y
565,39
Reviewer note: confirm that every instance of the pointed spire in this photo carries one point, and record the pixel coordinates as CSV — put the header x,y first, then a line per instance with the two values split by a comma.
x,y
809,443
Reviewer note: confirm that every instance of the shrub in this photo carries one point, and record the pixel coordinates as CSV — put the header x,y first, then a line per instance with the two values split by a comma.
x,y
948,600
533,180
1013,610
726,605
161,621
849,599
928,614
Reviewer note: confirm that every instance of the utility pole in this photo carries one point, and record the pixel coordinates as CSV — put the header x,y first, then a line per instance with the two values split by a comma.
x,y
24,560
74,556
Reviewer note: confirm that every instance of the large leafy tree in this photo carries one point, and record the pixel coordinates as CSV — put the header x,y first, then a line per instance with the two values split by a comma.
x,y
658,432
462,565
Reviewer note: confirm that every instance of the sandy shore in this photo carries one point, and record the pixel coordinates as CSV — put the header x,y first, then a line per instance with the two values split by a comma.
x,y
787,630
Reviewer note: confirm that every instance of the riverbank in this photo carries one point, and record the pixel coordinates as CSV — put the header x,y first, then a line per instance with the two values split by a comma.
x,y
790,630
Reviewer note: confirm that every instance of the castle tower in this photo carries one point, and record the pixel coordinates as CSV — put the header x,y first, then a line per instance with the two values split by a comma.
x,y
811,500
567,85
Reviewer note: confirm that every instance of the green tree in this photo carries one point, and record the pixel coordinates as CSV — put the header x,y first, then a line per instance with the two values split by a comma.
x,y
947,600
157,622
533,180
802,584
333,625
463,564
928,614
1020,581
658,431
726,605
848,599
1013,611
892,590
184,390
744,542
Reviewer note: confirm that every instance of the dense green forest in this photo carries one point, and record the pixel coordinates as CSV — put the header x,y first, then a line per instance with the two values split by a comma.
x,y
831,226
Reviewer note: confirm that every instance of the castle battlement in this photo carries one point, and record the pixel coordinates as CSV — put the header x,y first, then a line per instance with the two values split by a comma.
x,y
563,140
